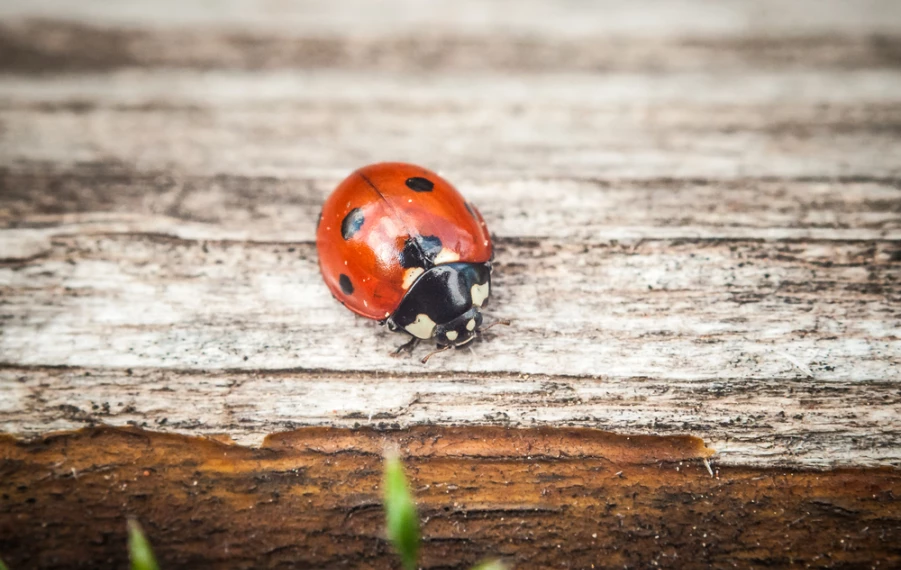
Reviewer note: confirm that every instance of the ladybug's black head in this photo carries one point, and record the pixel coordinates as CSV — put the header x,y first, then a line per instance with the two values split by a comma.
x,y
460,330
445,303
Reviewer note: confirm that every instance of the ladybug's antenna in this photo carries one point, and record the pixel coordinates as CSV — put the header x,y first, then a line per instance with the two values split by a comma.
x,y
431,354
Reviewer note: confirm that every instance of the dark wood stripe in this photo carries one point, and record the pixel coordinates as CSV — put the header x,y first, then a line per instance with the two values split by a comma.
x,y
33,194
41,45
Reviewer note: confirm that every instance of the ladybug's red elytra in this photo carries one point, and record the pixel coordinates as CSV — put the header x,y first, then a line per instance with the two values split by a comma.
x,y
397,243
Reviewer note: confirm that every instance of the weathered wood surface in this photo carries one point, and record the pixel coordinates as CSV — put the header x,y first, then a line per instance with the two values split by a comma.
x,y
698,211
552,498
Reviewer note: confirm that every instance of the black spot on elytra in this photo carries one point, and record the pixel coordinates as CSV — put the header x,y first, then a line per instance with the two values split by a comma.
x,y
352,223
346,285
420,251
418,184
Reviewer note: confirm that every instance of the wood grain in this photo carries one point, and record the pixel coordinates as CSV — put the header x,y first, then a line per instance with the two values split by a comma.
x,y
637,22
766,422
790,319
757,123
38,199
537,498
42,45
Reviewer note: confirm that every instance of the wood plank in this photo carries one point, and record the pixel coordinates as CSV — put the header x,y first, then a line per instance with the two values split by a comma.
x,y
811,324
539,499
657,308
697,210
621,125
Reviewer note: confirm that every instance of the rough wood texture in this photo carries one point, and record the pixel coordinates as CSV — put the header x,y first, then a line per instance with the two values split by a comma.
x,y
698,216
698,211
539,498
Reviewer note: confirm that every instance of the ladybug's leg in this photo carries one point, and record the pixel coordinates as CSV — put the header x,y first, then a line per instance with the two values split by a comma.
x,y
504,322
434,352
406,347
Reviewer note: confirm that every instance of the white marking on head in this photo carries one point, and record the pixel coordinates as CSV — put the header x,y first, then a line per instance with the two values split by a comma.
x,y
479,293
471,325
422,327
451,335
446,256
410,275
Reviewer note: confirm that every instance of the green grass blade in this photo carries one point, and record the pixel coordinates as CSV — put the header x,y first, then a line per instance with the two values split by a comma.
x,y
3,566
400,513
139,549
490,565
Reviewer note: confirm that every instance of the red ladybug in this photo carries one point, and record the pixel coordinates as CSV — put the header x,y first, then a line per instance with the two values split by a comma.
x,y
399,244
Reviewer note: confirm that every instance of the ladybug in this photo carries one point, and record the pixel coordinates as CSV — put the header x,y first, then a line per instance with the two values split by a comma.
x,y
399,244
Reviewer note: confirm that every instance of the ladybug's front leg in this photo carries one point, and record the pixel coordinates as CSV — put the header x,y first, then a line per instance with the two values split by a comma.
x,y
406,347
